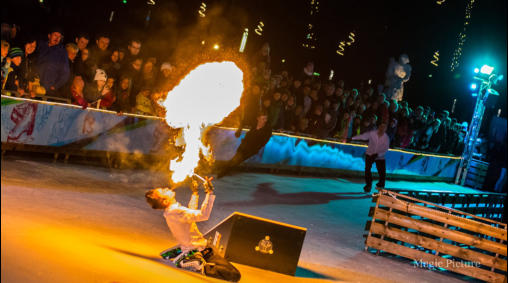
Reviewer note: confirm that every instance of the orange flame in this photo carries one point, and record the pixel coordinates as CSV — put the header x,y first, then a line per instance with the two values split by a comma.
x,y
203,98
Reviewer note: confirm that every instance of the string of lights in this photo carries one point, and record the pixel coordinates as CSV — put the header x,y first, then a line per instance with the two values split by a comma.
x,y
340,50
436,59
202,10
310,35
259,29
457,53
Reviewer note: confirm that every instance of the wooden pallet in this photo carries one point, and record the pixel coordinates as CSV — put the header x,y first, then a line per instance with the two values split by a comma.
x,y
438,236
487,204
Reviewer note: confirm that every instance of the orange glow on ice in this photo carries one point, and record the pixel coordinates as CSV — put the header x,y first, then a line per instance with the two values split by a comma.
x,y
203,98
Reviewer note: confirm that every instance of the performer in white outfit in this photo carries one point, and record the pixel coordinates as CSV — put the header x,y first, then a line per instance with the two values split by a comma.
x,y
193,252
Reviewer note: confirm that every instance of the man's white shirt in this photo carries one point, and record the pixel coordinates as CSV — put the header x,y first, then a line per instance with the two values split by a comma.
x,y
377,145
182,220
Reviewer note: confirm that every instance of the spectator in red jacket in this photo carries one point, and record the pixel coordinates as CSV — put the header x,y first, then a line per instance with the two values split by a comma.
x,y
78,98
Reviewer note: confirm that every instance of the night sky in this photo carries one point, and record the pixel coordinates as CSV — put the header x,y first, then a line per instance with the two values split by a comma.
x,y
383,29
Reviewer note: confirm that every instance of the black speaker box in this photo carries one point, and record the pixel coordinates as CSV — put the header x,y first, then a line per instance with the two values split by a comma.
x,y
258,242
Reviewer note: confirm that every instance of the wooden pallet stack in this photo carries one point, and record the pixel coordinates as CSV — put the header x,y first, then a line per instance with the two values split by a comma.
x,y
488,205
437,236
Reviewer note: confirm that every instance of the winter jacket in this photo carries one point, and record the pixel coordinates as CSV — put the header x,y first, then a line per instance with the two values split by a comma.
x,y
78,99
123,102
98,58
28,70
14,78
91,93
108,99
52,65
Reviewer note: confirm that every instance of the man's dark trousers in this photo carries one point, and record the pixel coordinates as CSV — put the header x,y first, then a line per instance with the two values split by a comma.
x,y
381,170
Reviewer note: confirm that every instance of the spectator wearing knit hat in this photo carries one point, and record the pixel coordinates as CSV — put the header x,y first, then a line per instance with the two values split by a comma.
x,y
53,62
93,91
14,79
163,82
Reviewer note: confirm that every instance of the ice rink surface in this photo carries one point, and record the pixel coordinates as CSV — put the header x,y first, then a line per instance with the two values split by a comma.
x,y
78,223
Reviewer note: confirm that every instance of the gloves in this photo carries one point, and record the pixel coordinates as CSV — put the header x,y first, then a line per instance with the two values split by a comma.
x,y
208,186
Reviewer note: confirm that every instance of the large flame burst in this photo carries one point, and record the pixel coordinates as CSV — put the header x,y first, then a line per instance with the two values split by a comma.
x,y
203,98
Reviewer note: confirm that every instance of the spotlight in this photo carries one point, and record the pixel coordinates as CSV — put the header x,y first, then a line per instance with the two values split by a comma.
x,y
216,46
486,69
476,70
474,86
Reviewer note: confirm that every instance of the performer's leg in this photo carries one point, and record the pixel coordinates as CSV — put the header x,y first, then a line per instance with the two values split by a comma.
x,y
237,159
226,167
218,267
368,174
381,170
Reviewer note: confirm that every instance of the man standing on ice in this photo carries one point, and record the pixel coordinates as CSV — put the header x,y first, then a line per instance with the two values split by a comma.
x,y
193,253
378,146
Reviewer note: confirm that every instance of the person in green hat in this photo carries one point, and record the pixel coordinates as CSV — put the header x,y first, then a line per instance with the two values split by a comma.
x,y
14,79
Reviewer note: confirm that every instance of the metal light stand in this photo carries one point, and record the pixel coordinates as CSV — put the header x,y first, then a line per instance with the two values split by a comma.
x,y
474,129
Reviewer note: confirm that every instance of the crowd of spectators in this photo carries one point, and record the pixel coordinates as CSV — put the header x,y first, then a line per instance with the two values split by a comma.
x,y
86,72
89,72
304,103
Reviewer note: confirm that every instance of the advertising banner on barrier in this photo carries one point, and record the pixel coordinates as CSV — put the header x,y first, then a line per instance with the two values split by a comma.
x,y
73,128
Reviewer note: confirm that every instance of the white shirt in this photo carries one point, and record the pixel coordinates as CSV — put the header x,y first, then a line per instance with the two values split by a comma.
x,y
182,222
377,145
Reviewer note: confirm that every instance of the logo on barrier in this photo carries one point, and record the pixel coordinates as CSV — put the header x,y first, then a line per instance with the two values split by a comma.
x,y
265,246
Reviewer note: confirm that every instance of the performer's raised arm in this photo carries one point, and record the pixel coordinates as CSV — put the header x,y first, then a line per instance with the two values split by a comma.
x,y
193,202
206,207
